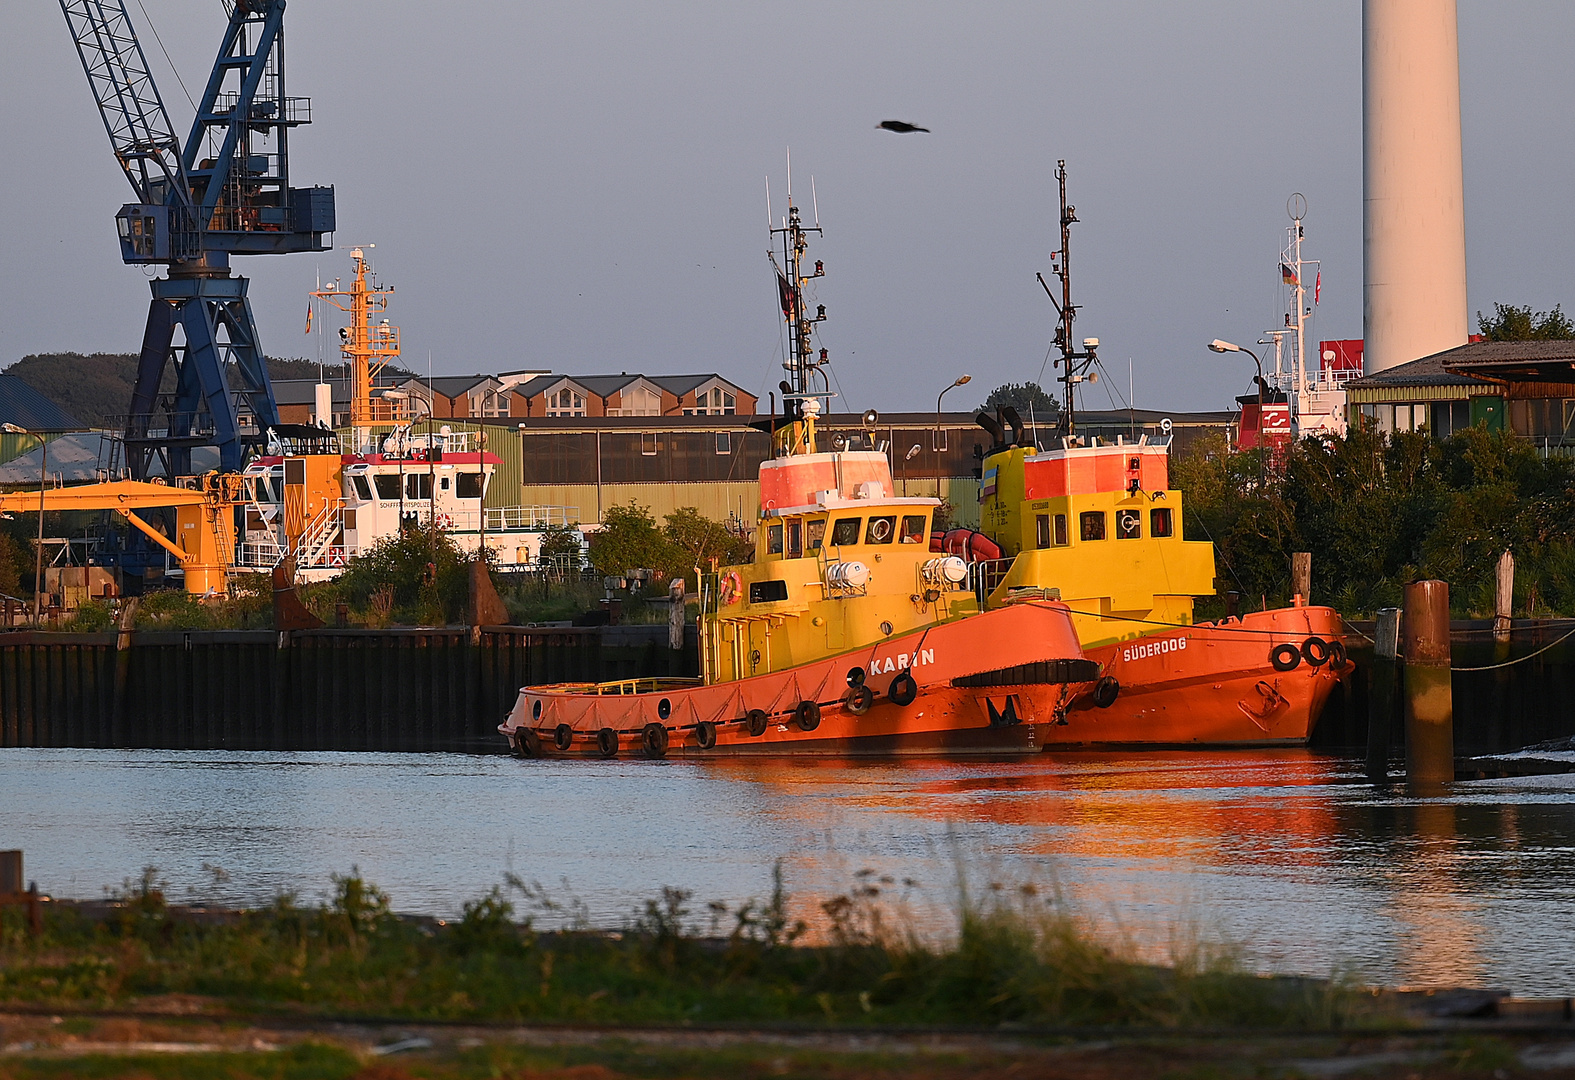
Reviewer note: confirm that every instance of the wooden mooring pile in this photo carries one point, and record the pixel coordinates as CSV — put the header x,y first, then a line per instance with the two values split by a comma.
x,y
323,689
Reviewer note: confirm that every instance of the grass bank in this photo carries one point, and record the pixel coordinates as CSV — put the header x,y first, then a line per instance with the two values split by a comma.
x,y
1015,957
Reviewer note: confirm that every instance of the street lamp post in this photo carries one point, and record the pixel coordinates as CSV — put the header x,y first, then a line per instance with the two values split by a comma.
x,y
43,476
935,441
1224,346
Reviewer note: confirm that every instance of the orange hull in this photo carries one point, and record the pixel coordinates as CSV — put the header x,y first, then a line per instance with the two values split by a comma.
x,y
979,653
1213,684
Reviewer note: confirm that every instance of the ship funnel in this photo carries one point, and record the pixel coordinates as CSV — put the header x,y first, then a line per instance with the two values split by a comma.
x,y
986,421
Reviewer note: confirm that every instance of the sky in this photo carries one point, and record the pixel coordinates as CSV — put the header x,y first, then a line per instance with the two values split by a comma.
x,y
581,187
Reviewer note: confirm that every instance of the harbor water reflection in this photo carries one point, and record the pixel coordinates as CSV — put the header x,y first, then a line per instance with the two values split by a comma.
x,y
1284,853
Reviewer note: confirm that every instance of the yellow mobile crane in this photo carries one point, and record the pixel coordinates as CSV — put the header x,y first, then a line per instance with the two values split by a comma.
x,y
204,540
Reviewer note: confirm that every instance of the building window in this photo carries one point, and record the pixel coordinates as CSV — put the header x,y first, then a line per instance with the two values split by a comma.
x,y
938,441
648,443
639,402
1129,524
1091,525
1159,522
724,442
565,402
713,402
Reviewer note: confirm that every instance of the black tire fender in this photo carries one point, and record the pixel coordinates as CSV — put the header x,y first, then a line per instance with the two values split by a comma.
x,y
563,737
904,689
528,742
1337,653
756,721
705,734
860,701
1315,650
807,715
1286,657
653,740
1106,690
607,742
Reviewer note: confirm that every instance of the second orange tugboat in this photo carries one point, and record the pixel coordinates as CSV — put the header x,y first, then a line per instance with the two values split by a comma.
x,y
1099,527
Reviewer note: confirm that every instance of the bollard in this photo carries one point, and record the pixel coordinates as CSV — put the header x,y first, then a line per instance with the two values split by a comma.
x,y
1429,697
1504,599
1301,577
1383,677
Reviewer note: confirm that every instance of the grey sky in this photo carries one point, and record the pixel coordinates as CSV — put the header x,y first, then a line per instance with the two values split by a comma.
x,y
580,186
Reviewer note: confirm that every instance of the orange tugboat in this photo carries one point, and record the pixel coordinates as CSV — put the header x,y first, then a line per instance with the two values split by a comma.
x,y
1099,527
846,635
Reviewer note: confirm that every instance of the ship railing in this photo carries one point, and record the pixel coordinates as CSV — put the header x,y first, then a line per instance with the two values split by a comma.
x,y
500,518
986,575
320,534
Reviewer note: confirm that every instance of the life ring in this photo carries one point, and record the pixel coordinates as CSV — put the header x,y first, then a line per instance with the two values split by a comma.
x,y
445,522
755,722
1285,657
904,689
860,701
653,738
807,715
705,734
1337,653
880,530
563,737
731,588
607,742
1315,650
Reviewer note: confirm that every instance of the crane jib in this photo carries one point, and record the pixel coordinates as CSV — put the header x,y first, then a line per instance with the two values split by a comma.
x,y
224,191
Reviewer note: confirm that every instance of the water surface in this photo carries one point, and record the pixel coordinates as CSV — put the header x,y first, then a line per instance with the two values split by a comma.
x,y
1280,852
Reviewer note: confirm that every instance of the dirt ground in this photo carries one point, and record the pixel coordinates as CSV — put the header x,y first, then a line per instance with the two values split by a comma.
x,y
182,1037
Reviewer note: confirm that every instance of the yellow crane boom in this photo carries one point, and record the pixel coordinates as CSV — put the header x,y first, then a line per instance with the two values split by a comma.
x,y
204,520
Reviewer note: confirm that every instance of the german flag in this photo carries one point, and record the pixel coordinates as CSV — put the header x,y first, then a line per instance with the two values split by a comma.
x,y
1288,275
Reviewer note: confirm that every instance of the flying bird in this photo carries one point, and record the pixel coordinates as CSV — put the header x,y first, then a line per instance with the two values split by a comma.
x,y
899,127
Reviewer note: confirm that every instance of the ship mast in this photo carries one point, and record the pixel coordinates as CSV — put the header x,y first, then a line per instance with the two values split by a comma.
x,y
368,346
800,402
1074,364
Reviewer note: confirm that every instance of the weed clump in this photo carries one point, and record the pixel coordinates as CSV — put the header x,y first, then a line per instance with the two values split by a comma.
x,y
1016,956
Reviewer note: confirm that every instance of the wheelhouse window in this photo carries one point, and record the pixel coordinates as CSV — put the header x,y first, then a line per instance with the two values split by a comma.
x,y
1091,525
814,533
880,530
387,486
469,485
913,528
1042,531
1159,522
363,490
1129,524
1060,530
845,532
418,485
773,540
795,539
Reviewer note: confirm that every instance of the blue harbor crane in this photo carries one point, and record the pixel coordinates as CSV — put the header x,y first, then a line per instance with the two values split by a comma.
x,y
225,191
